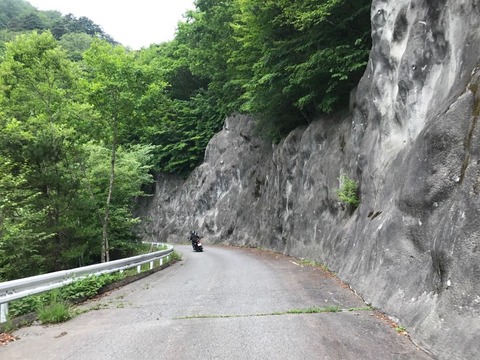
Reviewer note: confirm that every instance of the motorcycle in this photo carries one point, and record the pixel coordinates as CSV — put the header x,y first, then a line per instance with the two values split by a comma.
x,y
196,244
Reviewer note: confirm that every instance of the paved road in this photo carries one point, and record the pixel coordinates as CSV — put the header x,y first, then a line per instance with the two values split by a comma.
x,y
220,304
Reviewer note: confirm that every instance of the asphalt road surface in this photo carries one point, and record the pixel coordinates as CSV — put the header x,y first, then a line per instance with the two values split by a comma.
x,y
224,303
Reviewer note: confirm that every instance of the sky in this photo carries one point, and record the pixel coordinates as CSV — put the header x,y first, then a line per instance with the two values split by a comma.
x,y
135,24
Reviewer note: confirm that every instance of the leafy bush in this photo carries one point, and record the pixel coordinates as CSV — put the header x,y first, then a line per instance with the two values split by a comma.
x,y
24,306
89,286
347,192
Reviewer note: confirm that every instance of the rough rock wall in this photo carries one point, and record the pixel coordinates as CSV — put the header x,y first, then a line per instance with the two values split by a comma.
x,y
412,247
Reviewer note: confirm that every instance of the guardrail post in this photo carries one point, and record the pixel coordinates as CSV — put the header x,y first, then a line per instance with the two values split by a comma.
x,y
3,312
151,265
161,261
139,269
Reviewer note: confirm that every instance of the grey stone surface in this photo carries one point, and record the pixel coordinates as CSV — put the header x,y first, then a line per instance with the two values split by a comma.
x,y
412,247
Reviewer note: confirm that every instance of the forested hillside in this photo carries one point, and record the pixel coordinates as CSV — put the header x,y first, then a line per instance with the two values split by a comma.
x,y
18,16
86,122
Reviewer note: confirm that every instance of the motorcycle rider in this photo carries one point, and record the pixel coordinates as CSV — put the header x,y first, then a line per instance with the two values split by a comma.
x,y
194,238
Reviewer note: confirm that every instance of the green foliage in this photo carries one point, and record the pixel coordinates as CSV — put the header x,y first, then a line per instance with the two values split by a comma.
x,y
56,309
174,257
20,244
17,16
24,305
305,57
13,12
284,62
182,114
132,173
89,286
50,178
76,44
69,24
401,329
40,153
347,192
78,290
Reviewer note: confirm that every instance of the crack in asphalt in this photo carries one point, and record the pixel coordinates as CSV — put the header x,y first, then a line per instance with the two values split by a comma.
x,y
314,310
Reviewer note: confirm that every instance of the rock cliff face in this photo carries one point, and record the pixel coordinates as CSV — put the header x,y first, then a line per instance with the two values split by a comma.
x,y
411,140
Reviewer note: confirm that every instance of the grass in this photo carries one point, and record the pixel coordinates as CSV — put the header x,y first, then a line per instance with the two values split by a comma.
x,y
401,329
8,326
306,262
98,307
312,310
315,310
56,311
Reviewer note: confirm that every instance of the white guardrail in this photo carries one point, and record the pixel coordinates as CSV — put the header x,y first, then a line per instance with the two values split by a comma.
x,y
16,289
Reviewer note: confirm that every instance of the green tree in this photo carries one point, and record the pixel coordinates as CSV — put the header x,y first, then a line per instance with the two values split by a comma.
x,y
76,44
195,94
132,173
114,91
20,242
206,41
178,115
12,10
304,56
40,143
31,21
83,25
19,16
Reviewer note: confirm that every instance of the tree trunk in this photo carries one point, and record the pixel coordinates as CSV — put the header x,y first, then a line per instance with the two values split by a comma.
x,y
106,219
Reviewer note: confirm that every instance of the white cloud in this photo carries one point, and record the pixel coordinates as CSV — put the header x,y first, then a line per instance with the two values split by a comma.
x,y
135,24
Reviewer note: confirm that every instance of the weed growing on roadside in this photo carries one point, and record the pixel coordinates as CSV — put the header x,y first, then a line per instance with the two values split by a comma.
x,y
401,329
314,310
306,262
174,256
98,307
57,310
8,326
